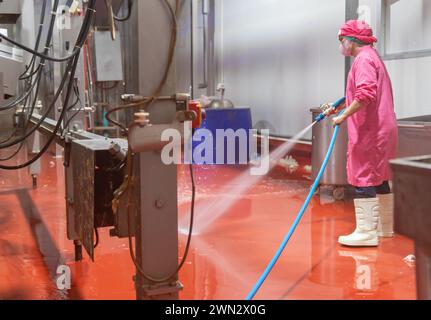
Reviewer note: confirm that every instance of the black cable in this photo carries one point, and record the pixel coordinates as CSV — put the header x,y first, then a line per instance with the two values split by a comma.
x,y
14,153
38,38
80,40
70,73
78,100
17,101
97,238
129,12
25,76
30,75
37,83
24,111
41,55
51,139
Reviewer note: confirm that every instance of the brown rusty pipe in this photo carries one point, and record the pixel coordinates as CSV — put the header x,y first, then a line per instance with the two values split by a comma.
x,y
137,98
111,18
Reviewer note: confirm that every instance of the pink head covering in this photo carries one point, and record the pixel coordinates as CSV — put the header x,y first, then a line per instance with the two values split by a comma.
x,y
359,30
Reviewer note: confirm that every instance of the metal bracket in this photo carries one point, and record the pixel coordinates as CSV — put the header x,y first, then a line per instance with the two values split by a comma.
x,y
149,137
165,289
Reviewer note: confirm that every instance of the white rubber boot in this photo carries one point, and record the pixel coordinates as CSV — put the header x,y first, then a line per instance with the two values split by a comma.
x,y
367,220
386,221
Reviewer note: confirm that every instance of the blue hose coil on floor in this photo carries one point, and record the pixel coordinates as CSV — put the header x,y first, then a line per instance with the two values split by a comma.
x,y
301,213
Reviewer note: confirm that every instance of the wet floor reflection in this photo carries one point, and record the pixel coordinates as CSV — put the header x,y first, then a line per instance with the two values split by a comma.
x,y
224,262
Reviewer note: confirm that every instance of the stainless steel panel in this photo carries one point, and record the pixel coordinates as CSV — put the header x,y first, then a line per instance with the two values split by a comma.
x,y
336,172
6,117
414,136
412,185
11,66
108,56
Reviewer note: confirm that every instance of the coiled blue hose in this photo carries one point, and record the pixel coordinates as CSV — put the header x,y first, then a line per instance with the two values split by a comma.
x,y
301,213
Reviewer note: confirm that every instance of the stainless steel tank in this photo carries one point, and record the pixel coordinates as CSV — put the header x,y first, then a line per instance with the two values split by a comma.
x,y
414,136
412,185
335,174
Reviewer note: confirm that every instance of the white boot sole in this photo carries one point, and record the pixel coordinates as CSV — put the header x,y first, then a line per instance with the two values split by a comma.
x,y
364,243
386,235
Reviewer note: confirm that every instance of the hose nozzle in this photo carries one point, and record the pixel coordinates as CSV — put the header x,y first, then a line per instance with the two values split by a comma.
x,y
334,106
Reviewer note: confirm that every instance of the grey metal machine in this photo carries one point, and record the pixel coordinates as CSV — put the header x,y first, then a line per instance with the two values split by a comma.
x,y
128,187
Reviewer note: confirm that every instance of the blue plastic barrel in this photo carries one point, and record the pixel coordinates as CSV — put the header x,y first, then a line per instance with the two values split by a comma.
x,y
239,120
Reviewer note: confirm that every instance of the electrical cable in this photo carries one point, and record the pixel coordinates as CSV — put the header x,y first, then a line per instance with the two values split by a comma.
x,y
50,140
148,102
16,102
37,82
70,73
25,76
41,55
96,232
26,94
14,153
80,40
38,38
171,51
301,213
121,108
30,75
81,108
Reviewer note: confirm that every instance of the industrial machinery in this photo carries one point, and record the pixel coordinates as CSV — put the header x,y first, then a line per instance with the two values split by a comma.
x,y
74,93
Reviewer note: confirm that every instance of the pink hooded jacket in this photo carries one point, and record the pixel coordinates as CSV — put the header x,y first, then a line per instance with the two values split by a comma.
x,y
373,131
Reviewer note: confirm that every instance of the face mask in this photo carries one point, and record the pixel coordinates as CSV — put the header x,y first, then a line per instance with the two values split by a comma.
x,y
346,48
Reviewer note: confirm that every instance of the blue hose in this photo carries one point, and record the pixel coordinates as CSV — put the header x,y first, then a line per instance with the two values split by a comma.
x,y
335,106
301,213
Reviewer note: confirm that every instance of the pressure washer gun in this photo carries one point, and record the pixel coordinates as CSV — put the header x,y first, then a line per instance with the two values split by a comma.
x,y
334,106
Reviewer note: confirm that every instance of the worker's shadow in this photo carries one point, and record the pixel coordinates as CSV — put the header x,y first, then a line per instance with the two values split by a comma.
x,y
5,217
8,249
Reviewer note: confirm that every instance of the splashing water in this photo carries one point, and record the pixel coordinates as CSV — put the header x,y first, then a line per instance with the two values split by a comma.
x,y
211,210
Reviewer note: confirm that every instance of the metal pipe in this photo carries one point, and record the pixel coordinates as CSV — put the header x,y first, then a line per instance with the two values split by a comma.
x,y
205,47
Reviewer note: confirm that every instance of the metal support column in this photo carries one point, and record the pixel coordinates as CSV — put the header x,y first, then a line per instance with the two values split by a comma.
x,y
157,220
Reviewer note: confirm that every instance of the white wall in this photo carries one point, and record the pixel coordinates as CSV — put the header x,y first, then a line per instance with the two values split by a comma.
x,y
410,30
281,58
412,86
410,25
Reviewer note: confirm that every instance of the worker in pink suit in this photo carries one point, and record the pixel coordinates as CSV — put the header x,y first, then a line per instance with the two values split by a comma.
x,y
373,135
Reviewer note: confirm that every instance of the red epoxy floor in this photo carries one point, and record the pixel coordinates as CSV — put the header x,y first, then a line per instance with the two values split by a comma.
x,y
225,260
